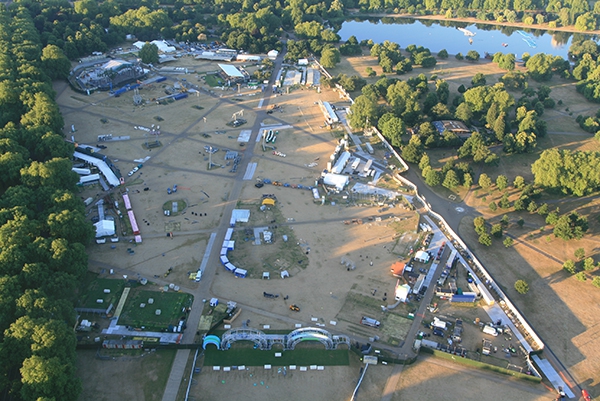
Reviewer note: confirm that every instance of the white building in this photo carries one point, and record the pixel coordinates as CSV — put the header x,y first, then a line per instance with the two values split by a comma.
x,y
422,256
162,45
239,216
336,180
105,228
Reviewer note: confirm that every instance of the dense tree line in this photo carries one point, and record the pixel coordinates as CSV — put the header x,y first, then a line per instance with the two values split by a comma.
x,y
570,172
587,69
42,223
529,12
83,26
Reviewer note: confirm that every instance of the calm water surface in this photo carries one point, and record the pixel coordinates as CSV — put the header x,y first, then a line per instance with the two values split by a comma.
x,y
487,38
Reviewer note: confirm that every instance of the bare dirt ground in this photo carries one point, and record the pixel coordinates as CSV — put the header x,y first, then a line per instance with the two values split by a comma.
x,y
555,299
427,379
320,289
558,306
136,378
435,379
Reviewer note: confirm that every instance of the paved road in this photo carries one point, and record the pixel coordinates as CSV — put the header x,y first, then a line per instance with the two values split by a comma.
x,y
203,291
447,209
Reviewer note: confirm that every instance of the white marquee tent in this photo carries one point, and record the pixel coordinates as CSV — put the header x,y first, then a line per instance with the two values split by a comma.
x,y
105,228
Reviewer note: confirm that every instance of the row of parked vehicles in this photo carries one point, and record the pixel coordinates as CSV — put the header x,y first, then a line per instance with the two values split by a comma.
x,y
135,169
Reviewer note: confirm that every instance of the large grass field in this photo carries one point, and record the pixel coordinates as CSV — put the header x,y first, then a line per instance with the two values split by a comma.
x,y
303,355
171,305
212,80
93,290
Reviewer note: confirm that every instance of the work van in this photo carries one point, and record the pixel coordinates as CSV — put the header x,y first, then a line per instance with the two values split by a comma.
x,y
490,330
367,321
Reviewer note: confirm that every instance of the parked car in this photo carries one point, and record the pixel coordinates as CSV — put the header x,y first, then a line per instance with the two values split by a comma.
x,y
169,191
438,332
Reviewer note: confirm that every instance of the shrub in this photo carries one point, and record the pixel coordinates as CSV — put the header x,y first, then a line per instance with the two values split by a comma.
x,y
569,266
522,287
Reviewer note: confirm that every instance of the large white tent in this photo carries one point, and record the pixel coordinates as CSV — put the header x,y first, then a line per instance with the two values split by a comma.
x,y
105,228
114,65
231,70
239,216
336,180
161,44
422,256
402,292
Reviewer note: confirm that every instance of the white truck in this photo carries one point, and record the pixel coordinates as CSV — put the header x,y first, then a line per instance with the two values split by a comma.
x,y
367,321
490,330
440,324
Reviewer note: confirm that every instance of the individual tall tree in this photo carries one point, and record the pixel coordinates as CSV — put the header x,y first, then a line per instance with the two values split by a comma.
x,y
479,223
392,128
451,180
501,182
484,181
413,152
467,180
424,162
570,226
55,63
485,239
364,112
149,53
330,57
433,178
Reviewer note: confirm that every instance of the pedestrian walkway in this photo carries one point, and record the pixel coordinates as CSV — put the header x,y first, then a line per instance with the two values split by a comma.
x,y
121,303
552,375
392,383
177,370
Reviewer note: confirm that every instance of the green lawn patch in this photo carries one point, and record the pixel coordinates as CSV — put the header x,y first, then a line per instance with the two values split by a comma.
x,y
245,354
171,305
396,327
94,290
181,206
213,80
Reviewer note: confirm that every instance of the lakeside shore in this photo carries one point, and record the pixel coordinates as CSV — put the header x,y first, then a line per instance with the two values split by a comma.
x,y
544,27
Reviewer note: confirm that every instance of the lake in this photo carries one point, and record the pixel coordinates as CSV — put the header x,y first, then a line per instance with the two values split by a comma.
x,y
438,35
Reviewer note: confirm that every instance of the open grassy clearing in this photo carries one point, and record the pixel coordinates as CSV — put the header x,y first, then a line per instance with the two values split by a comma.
x,y
304,354
130,376
171,304
93,289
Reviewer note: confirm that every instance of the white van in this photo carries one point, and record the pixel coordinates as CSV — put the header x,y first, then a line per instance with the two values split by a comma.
x,y
367,321
490,330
